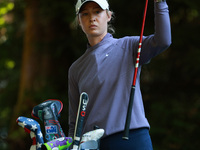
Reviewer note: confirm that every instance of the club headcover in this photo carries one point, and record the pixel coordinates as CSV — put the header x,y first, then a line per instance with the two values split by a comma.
x,y
58,144
92,135
33,128
48,109
48,112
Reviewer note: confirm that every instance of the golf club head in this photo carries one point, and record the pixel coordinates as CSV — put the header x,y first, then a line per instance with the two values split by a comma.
x,y
92,145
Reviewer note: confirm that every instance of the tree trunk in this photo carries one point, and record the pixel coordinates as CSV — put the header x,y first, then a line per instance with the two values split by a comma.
x,y
47,46
36,61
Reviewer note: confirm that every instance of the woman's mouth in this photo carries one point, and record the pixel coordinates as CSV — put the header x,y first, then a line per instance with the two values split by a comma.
x,y
92,26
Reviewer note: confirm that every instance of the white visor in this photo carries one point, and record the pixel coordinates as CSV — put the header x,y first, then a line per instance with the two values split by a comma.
x,y
102,3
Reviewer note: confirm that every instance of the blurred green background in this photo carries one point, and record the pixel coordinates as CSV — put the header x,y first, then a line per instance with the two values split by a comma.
x,y
38,43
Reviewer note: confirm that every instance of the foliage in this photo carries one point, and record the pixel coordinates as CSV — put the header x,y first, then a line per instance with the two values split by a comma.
x,y
9,65
169,83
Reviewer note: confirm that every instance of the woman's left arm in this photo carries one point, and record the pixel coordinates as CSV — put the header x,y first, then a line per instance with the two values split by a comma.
x,y
162,36
161,39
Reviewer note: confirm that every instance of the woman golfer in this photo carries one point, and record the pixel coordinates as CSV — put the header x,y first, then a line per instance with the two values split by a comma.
x,y
105,72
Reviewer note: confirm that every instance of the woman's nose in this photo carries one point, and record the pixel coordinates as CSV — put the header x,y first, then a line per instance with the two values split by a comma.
x,y
92,18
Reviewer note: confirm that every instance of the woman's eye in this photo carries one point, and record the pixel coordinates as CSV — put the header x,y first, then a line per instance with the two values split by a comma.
x,y
84,14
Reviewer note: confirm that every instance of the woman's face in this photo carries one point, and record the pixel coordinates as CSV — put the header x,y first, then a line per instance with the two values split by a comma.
x,y
93,20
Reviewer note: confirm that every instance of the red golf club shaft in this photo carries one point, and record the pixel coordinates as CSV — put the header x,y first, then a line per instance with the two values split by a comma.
x,y
130,106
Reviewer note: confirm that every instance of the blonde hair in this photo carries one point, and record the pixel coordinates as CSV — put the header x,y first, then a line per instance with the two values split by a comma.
x,y
111,30
110,26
